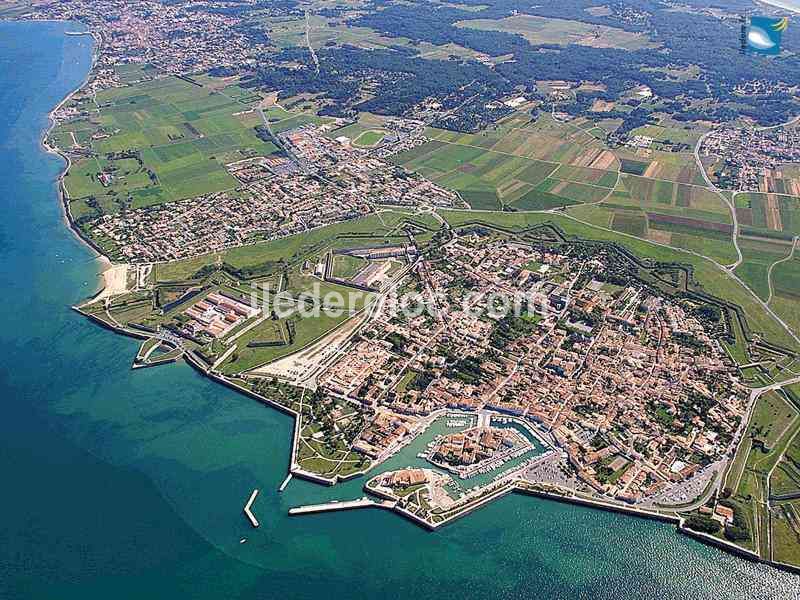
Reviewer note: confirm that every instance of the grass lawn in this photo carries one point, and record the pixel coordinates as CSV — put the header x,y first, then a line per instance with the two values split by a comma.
x,y
368,138
786,533
757,256
345,267
307,330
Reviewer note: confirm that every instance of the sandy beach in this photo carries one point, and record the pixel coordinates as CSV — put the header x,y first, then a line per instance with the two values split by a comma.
x,y
115,279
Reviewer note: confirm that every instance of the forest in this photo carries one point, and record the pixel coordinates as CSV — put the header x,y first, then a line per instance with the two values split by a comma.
x,y
392,79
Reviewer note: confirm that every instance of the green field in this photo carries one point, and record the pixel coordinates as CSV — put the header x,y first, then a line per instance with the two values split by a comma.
x,y
786,533
542,30
307,330
786,283
345,267
162,139
758,466
576,192
368,138
757,257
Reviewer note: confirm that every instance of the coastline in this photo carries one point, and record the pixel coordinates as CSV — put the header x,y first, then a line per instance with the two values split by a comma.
x,y
107,275
105,263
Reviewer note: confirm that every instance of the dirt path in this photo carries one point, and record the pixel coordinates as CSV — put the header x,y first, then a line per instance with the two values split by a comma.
x,y
308,43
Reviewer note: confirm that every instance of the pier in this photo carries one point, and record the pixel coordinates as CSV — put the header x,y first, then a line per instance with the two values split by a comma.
x,y
336,505
248,513
285,482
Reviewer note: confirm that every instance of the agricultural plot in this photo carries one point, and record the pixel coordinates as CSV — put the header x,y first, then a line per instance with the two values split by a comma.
x,y
542,30
543,139
786,285
156,141
633,167
98,186
135,72
671,166
510,163
486,179
757,256
575,192
630,222
666,212
785,182
575,168
598,177
769,215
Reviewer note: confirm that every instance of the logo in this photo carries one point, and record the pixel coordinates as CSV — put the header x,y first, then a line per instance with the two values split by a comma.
x,y
762,35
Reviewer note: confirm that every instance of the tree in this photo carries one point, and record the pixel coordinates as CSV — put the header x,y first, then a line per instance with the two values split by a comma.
x,y
703,524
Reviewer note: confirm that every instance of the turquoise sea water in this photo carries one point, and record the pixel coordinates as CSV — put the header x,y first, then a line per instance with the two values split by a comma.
x,y
130,485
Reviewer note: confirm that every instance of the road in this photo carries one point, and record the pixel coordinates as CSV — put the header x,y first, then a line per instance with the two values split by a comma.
x,y
776,263
718,192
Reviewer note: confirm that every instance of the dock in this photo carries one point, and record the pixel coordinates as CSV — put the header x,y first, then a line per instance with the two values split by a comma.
x,y
285,482
337,505
248,513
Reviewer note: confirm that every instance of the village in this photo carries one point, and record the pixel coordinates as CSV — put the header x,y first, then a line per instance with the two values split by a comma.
x,y
752,159
324,182
171,36
630,386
